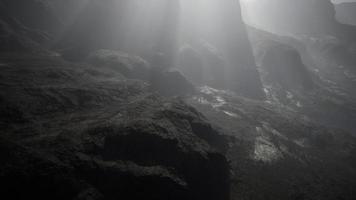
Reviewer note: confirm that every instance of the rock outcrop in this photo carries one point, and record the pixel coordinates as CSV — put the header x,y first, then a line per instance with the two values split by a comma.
x,y
33,14
324,79
162,79
26,26
346,13
315,17
74,131
285,67
278,153
116,126
130,66
221,24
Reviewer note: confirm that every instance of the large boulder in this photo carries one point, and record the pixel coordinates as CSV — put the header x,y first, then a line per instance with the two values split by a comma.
x,y
285,67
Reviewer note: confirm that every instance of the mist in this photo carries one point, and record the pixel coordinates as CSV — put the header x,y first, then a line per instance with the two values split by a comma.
x,y
177,99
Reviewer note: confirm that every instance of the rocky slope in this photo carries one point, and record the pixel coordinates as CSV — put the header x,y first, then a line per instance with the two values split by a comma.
x,y
309,77
74,131
277,152
117,126
94,130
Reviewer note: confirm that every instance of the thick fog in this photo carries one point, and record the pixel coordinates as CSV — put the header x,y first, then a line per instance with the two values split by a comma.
x,y
211,30
178,99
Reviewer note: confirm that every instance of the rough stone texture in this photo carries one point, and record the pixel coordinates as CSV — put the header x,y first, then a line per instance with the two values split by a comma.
x,y
25,28
129,66
81,132
32,14
329,99
285,67
277,152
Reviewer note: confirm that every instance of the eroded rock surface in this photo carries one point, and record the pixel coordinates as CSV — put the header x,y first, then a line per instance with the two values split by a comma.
x,y
72,131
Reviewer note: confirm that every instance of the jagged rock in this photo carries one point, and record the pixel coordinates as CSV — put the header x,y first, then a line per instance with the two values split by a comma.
x,y
330,99
33,14
285,66
129,66
19,31
277,153
160,77
26,173
75,131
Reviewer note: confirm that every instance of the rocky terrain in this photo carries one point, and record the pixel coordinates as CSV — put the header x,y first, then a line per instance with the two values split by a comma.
x,y
84,116
309,77
277,153
74,131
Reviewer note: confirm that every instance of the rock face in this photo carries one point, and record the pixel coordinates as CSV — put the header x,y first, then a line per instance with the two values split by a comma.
x,y
346,13
322,82
285,66
277,153
242,72
129,66
82,132
26,25
315,17
115,126
166,81
221,25
31,13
